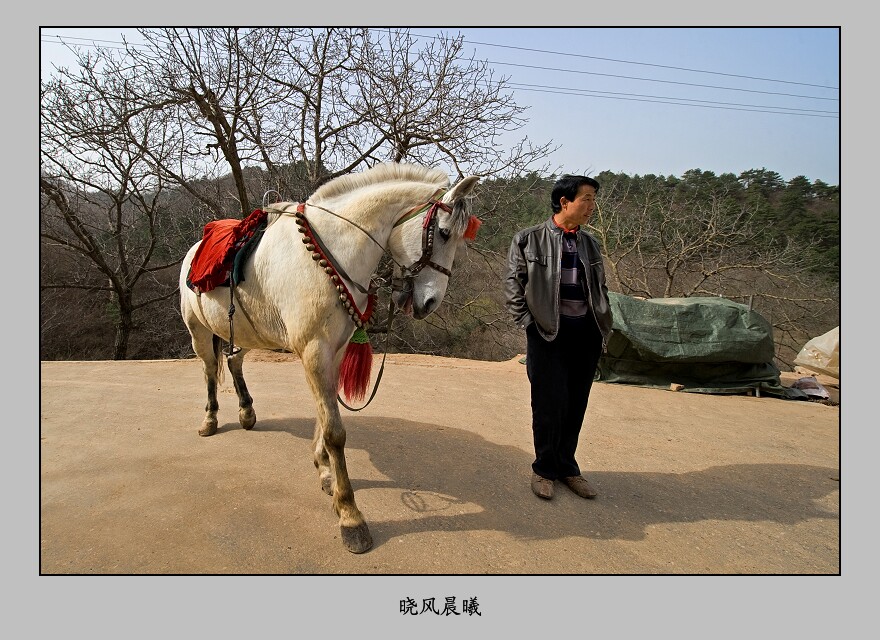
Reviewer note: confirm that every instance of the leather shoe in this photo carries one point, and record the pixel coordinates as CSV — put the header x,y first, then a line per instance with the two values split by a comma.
x,y
542,487
580,486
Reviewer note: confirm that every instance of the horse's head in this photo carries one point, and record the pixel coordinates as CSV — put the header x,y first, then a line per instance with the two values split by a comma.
x,y
425,246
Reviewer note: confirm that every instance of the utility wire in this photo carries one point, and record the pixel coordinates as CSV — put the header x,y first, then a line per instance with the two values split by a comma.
x,y
611,75
646,64
688,84
590,92
88,42
578,55
683,104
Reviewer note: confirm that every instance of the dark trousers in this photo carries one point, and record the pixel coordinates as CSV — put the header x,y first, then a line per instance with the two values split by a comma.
x,y
561,375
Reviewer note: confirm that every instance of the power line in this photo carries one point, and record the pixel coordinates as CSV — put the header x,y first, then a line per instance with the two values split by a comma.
x,y
589,92
688,84
569,90
647,64
90,40
61,39
585,56
671,101
623,77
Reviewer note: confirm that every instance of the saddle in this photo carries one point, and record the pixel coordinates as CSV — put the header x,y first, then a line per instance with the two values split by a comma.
x,y
225,246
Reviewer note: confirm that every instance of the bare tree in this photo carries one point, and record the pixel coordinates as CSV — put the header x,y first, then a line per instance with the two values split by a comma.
x,y
141,148
228,114
433,106
101,199
328,137
307,105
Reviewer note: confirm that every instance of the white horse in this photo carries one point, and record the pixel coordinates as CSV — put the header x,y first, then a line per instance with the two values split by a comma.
x,y
309,300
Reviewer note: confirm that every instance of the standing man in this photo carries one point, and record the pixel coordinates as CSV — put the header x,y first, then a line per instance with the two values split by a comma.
x,y
556,291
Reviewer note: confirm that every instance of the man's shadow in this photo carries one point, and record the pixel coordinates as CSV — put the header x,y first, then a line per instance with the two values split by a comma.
x,y
438,468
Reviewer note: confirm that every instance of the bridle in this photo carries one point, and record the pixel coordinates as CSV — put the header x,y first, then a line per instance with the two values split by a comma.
x,y
405,283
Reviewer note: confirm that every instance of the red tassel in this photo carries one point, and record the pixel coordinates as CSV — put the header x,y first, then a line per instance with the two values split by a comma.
x,y
355,369
473,225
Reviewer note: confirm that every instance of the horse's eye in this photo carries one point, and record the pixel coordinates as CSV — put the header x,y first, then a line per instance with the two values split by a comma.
x,y
444,233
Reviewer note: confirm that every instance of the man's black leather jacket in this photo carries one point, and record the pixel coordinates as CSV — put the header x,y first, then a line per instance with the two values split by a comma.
x,y
533,274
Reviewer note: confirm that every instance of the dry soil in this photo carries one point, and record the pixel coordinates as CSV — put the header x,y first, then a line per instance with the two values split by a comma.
x,y
440,464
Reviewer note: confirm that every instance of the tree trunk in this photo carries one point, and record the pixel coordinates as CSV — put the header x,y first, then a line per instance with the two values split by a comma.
x,y
124,326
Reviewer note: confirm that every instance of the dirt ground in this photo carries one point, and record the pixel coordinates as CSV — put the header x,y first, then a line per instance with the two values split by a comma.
x,y
688,483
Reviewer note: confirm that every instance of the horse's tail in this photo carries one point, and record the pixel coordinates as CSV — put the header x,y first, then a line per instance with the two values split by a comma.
x,y
218,355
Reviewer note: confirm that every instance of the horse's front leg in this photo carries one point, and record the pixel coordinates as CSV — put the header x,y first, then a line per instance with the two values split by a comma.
x,y
322,459
246,416
330,445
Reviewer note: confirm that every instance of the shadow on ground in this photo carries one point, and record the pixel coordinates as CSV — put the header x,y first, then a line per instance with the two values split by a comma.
x,y
437,469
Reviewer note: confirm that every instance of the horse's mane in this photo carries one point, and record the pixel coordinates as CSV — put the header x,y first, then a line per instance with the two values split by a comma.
x,y
388,172
277,209
380,173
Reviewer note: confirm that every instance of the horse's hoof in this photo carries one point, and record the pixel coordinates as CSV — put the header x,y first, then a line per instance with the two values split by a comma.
x,y
327,485
208,428
247,418
357,539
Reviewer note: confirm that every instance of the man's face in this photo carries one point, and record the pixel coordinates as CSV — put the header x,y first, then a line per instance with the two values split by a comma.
x,y
579,210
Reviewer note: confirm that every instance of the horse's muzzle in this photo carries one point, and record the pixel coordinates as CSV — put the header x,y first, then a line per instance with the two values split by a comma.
x,y
403,300
424,310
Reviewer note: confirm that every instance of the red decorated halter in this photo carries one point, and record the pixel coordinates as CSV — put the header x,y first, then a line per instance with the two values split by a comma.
x,y
429,228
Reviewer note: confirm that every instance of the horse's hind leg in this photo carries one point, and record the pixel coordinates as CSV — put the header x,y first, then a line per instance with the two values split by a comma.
x,y
246,415
207,347
321,374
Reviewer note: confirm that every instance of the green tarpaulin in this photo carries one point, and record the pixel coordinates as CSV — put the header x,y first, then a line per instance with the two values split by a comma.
x,y
707,345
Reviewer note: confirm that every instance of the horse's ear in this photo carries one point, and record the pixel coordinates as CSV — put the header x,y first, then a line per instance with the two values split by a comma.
x,y
462,189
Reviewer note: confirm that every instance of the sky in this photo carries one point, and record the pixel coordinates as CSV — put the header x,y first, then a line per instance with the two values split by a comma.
x,y
651,100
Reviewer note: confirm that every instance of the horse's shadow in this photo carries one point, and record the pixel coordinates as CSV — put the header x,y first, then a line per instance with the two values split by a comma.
x,y
435,467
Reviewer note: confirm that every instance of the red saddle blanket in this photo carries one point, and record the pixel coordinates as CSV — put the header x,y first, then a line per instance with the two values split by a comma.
x,y
213,262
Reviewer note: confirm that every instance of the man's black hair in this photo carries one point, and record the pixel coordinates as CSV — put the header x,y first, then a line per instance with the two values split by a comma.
x,y
568,186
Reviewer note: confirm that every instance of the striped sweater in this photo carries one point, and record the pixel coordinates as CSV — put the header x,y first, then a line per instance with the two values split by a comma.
x,y
572,300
